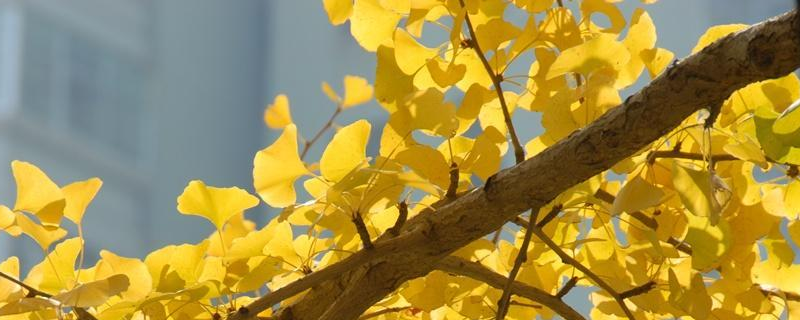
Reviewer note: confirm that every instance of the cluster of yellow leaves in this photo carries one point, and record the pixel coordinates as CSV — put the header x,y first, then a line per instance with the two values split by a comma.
x,y
716,242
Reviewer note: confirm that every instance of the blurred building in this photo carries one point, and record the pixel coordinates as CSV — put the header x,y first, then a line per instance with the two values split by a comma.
x,y
146,95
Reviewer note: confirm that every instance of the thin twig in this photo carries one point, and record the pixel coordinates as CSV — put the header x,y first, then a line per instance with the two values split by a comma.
x,y
477,271
522,256
567,287
653,155
577,265
519,152
322,130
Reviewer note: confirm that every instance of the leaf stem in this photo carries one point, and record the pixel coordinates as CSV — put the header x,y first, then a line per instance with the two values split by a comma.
x,y
321,131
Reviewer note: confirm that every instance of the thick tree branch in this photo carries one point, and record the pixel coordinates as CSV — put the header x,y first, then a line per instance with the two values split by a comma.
x,y
764,51
477,271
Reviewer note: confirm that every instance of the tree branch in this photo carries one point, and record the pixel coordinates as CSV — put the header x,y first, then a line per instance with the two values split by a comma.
x,y
477,271
764,51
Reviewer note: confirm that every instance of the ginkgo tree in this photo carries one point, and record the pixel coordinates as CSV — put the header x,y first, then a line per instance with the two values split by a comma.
x,y
680,201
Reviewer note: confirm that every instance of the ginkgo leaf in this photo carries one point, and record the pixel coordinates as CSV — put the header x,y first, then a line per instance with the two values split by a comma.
x,y
709,243
614,15
346,151
28,304
716,32
10,290
326,88
601,52
428,162
277,114
656,60
356,91
134,269
37,194
7,217
42,235
426,111
57,271
494,33
94,293
217,205
445,76
792,198
743,147
764,118
694,188
640,38
276,168
695,300
636,195
371,24
787,125
78,196
338,10
409,54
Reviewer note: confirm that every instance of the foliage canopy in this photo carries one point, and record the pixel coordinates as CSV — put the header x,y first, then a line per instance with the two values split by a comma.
x,y
690,226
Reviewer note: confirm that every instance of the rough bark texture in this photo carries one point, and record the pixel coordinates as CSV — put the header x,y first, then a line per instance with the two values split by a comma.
x,y
764,51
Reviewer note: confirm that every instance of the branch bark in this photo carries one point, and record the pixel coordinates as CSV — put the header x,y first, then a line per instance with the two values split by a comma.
x,y
764,51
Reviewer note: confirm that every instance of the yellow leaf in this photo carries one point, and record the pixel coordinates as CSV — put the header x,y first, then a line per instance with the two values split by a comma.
x,y
792,198
559,28
175,268
716,32
7,217
495,33
427,111
534,6
429,163
276,168
37,194
25,305
614,15
371,24
694,188
447,76
338,10
277,115
78,196
217,205
787,125
601,52
326,88
356,91
10,290
695,300
409,54
260,271
94,293
641,37
743,147
391,84
346,152
636,195
709,243
656,60
42,235
134,269
57,271
764,118
779,252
